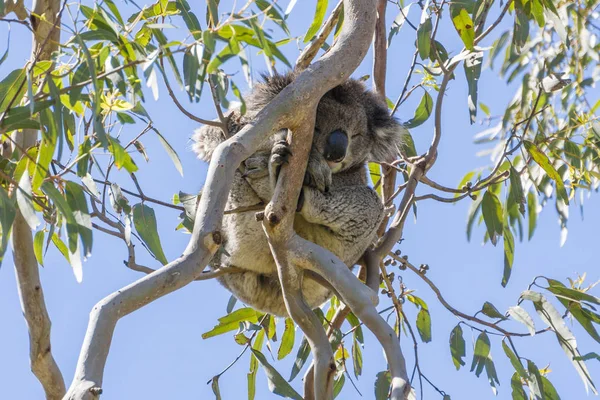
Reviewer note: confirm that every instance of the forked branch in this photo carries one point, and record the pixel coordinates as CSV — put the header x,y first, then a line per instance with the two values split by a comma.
x,y
291,108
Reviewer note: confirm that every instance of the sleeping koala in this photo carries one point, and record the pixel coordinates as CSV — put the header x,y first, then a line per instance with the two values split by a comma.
x,y
338,210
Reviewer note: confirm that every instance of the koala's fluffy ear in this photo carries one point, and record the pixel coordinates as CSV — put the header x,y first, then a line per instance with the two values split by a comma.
x,y
387,133
265,91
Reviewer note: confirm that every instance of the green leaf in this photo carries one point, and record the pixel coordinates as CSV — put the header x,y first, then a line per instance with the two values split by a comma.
x,y
519,314
561,291
509,255
317,20
375,174
190,73
24,201
38,247
491,209
491,311
122,157
78,204
7,216
481,353
383,382
171,152
472,67
271,11
212,15
422,112
231,321
514,360
521,26
516,190
61,204
301,356
457,346
12,89
550,392
277,384
287,340
47,147
532,205
357,359
518,393
463,24
542,160
190,19
424,325
60,246
551,317
338,385
144,221
424,36
215,387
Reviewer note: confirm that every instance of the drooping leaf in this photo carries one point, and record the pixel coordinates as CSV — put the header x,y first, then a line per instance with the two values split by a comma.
x,y
424,325
12,89
514,360
144,221
491,209
38,247
481,353
463,24
457,346
472,67
277,384
301,356
287,340
383,382
317,20
509,254
171,152
78,204
422,112
543,161
24,201
424,36
7,216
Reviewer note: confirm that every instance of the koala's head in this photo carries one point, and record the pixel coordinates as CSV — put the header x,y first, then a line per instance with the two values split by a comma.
x,y
353,124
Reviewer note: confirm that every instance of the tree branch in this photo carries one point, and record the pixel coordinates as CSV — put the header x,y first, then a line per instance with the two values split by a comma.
x,y
289,109
45,41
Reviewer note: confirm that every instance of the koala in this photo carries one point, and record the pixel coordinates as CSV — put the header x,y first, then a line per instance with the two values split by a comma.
x,y
337,209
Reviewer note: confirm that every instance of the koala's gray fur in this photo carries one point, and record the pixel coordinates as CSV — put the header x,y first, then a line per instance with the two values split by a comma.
x,y
339,211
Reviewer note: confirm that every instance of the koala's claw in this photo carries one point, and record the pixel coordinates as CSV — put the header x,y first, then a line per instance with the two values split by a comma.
x,y
280,154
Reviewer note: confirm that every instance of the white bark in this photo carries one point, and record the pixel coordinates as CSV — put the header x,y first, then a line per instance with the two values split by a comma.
x,y
45,41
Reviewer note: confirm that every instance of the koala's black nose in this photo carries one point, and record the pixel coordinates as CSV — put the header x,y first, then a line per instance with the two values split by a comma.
x,y
336,146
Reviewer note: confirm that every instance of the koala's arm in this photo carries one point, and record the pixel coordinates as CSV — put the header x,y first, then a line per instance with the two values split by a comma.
x,y
352,212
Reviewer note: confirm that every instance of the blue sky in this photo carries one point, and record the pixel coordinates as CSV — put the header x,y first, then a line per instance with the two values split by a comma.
x,y
157,352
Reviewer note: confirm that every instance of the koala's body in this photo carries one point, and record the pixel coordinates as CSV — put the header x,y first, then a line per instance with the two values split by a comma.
x,y
338,211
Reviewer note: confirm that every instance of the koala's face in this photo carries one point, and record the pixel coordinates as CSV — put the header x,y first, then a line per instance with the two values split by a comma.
x,y
353,127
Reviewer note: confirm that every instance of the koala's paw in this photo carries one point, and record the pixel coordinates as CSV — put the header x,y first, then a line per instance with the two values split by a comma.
x,y
280,154
318,175
256,167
